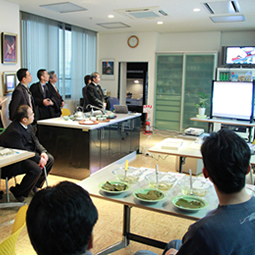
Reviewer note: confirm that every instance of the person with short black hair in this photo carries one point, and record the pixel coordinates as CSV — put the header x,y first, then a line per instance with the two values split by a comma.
x,y
19,135
230,228
43,96
22,95
60,220
94,91
87,81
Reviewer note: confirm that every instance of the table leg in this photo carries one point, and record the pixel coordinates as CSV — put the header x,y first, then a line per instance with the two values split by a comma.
x,y
182,162
127,236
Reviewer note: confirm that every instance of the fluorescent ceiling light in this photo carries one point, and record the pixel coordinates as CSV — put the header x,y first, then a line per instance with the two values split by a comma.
x,y
196,10
136,81
113,25
110,16
63,7
232,18
160,22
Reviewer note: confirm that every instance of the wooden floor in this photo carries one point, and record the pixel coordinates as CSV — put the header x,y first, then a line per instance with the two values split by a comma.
x,y
108,229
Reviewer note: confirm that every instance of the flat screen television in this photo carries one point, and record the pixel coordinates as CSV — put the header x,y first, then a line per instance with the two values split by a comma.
x,y
232,100
242,55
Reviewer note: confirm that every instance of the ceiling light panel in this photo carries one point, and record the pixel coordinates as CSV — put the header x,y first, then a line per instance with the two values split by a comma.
x,y
231,18
64,7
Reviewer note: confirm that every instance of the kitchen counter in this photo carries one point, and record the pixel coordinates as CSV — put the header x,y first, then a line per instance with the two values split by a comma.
x,y
90,147
60,122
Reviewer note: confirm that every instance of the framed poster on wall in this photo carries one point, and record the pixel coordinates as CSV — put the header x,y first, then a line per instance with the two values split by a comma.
x,y
108,69
9,83
9,48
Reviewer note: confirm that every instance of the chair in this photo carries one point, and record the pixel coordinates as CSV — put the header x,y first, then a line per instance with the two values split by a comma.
x,y
65,112
7,247
7,178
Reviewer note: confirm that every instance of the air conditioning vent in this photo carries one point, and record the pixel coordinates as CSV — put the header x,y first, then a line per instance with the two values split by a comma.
x,y
143,13
223,7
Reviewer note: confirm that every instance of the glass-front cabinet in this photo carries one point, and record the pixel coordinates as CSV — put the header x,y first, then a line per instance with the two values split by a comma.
x,y
179,78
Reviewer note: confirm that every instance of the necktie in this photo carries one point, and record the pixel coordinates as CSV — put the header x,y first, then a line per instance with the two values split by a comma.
x,y
44,91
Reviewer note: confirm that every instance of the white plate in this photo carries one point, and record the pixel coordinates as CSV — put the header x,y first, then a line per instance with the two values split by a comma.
x,y
189,198
114,192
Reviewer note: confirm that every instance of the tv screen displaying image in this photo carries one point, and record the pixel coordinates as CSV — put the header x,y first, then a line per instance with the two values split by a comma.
x,y
240,55
232,100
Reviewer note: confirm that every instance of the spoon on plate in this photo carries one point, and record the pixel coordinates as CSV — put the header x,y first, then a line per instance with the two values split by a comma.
x,y
156,171
190,179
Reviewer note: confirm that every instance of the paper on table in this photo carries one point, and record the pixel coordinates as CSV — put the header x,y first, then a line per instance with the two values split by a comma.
x,y
5,152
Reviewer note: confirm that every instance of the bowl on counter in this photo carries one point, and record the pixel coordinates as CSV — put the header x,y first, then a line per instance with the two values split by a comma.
x,y
132,175
165,181
200,186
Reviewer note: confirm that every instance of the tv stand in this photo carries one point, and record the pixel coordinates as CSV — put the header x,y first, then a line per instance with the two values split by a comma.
x,y
228,122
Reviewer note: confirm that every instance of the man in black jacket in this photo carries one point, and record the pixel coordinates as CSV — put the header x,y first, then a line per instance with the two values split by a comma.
x,y
19,135
94,91
59,102
22,95
43,95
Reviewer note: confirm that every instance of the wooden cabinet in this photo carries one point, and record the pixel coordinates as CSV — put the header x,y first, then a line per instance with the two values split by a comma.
x,y
179,78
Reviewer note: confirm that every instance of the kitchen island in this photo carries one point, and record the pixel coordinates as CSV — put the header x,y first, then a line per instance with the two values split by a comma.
x,y
90,146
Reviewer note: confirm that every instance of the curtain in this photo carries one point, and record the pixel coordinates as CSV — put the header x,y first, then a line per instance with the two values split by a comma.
x,y
68,50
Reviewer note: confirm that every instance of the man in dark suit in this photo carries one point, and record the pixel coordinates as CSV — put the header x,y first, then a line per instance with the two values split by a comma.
x,y
19,135
56,98
94,91
22,95
87,81
43,96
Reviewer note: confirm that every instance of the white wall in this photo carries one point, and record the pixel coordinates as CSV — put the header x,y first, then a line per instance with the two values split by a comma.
x,y
114,46
9,22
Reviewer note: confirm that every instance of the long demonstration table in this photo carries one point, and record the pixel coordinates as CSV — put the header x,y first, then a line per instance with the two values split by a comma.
x,y
187,149
6,160
128,201
211,122
90,146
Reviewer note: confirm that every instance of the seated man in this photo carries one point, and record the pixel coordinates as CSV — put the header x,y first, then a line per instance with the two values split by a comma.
x,y
229,229
60,220
19,135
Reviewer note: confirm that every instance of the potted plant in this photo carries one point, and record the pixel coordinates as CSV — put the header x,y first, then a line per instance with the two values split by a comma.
x,y
202,103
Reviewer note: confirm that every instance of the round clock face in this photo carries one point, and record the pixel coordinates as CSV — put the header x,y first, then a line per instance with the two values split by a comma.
x,y
133,41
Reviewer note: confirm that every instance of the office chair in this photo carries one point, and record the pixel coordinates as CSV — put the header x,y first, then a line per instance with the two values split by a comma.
x,y
7,247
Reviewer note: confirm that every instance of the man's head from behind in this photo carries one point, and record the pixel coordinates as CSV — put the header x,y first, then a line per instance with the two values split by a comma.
x,y
60,220
226,158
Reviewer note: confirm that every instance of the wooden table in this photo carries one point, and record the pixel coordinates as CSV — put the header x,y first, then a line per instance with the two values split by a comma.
x,y
11,159
211,122
128,201
187,149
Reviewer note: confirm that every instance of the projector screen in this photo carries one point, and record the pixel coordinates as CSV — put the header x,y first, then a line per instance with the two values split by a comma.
x,y
233,100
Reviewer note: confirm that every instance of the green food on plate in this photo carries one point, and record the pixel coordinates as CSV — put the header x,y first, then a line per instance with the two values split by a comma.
x,y
151,195
114,187
189,204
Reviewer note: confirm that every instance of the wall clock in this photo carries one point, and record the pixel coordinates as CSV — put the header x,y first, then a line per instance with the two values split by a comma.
x,y
133,41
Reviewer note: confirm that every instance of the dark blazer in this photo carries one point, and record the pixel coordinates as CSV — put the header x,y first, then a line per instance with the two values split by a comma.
x,y
45,112
95,95
20,96
17,137
56,99
85,103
